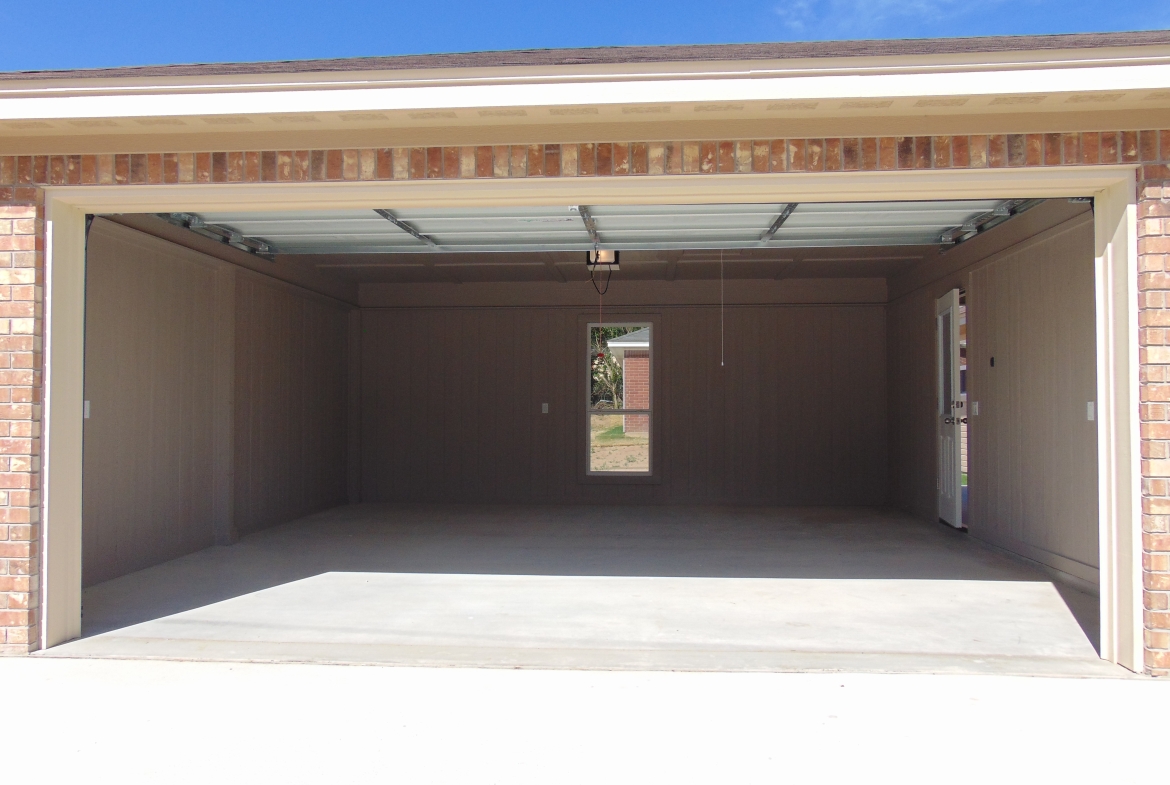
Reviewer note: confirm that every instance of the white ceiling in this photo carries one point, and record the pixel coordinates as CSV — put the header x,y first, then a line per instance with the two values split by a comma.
x,y
628,228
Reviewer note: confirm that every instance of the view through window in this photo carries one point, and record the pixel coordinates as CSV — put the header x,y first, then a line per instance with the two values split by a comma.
x,y
619,398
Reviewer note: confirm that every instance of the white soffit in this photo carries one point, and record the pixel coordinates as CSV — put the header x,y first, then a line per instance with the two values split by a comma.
x,y
624,227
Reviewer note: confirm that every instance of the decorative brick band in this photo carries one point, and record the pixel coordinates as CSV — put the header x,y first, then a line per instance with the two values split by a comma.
x,y
594,159
21,277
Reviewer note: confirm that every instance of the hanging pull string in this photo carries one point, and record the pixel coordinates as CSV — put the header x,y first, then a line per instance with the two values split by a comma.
x,y
608,277
721,342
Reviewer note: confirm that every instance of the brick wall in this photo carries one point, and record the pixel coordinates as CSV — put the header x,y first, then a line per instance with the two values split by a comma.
x,y
636,390
591,159
1154,316
21,245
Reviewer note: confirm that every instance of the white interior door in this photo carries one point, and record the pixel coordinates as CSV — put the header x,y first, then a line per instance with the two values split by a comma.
x,y
951,411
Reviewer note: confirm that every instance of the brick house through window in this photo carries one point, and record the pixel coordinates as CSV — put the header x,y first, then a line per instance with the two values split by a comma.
x,y
633,351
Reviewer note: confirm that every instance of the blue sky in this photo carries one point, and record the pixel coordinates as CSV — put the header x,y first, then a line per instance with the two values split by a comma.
x,y
75,34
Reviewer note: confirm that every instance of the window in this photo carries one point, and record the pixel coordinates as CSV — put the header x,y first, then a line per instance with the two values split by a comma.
x,y
619,399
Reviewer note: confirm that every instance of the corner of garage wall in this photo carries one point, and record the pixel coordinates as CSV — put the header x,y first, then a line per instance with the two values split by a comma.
x,y
22,246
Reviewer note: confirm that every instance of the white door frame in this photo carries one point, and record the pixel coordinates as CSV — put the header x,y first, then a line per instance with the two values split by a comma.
x,y
1114,189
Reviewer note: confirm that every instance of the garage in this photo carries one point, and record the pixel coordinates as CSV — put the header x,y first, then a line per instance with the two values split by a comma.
x,y
777,356
714,436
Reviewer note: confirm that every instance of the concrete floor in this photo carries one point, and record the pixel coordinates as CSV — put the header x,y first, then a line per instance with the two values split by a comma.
x,y
671,588
134,721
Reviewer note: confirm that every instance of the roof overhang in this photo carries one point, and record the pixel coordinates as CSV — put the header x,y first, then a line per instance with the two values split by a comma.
x,y
860,85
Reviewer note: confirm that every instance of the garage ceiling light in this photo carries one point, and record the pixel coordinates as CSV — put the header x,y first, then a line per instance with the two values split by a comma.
x,y
602,259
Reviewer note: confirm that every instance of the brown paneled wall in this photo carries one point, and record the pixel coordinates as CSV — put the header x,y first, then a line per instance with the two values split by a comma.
x,y
1032,460
149,379
217,400
291,403
451,405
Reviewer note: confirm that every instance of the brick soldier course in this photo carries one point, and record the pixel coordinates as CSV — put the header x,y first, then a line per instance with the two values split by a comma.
x,y
22,243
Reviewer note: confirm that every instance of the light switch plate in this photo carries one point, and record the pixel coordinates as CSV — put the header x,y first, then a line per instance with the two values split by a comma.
x,y
544,408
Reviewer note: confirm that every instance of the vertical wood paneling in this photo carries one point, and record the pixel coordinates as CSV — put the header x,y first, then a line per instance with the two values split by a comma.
x,y
291,414
354,406
149,457
451,406
1032,451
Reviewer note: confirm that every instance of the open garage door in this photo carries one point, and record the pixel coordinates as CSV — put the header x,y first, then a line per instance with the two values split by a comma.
x,y
369,435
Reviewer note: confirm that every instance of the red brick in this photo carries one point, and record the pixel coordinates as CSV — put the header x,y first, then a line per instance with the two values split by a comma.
x,y
534,161
1090,148
834,159
252,166
905,152
1033,150
349,164
1155,172
707,157
603,164
725,157
203,167
1109,148
621,159
284,166
638,157
170,169
1148,145
301,164
10,618
1129,146
869,154
15,583
483,161
814,155
552,160
941,158
1017,149
450,165
384,166
760,156
796,155
14,550
587,159
1052,149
